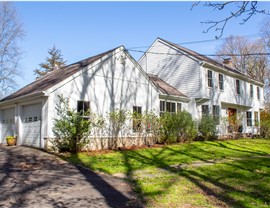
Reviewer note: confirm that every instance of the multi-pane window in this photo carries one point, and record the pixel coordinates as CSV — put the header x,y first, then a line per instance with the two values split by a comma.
x,y
237,86
137,118
221,81
256,118
258,93
210,78
179,107
251,91
216,114
249,118
162,108
171,107
83,107
205,110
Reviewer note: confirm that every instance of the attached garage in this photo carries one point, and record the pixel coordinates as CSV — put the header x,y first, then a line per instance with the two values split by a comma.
x,y
31,125
7,123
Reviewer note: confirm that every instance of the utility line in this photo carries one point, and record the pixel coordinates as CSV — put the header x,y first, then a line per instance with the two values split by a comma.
x,y
217,55
200,41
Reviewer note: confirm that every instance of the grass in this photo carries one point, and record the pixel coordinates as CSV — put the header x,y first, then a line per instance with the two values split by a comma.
x,y
243,181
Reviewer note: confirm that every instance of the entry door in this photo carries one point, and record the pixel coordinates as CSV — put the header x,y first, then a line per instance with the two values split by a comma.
x,y
232,113
31,125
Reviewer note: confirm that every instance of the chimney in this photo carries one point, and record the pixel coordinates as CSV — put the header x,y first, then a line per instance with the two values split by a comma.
x,y
228,62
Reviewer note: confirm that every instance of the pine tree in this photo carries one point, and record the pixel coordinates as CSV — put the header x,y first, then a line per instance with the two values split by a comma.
x,y
53,62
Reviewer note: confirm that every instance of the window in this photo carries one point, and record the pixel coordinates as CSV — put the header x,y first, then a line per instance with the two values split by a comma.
x,y
137,118
162,107
256,118
83,107
251,91
221,81
171,107
205,110
238,86
216,114
210,78
179,107
258,93
249,118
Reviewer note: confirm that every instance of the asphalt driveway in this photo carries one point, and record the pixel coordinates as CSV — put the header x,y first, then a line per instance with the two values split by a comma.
x,y
33,178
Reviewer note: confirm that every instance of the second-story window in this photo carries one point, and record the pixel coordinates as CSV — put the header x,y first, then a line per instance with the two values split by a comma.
x,y
221,81
251,91
258,93
210,78
237,82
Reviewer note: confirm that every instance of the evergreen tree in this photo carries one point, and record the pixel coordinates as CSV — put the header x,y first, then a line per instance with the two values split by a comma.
x,y
53,62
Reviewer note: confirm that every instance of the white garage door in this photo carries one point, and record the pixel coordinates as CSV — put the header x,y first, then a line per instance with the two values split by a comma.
x,y
7,123
31,120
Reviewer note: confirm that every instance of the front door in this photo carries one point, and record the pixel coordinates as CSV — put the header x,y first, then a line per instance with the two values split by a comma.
x,y
232,113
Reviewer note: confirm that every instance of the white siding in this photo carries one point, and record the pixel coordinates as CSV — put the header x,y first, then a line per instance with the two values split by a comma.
x,y
179,70
108,86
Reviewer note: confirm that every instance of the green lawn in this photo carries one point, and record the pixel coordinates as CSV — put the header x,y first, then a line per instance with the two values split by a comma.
x,y
240,178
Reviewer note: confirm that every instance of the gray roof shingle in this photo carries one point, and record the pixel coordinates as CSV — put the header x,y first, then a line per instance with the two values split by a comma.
x,y
54,77
164,87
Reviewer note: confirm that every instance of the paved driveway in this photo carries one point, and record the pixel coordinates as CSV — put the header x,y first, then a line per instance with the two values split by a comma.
x,y
33,178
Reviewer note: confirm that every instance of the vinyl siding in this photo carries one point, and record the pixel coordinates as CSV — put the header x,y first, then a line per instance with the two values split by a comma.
x,y
180,71
108,86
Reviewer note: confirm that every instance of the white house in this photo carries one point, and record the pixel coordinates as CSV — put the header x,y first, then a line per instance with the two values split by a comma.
x,y
212,87
103,83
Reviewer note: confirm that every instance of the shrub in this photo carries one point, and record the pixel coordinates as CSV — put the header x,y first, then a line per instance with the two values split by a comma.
x,y
177,127
265,124
71,128
207,127
117,119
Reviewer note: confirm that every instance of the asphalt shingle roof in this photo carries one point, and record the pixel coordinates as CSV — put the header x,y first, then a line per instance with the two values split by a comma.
x,y
164,87
54,77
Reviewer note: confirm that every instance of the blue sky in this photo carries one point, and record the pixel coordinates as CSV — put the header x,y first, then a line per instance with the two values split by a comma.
x,y
84,29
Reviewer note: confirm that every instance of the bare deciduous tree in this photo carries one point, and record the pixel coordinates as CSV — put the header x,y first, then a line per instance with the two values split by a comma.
x,y
10,32
247,56
236,9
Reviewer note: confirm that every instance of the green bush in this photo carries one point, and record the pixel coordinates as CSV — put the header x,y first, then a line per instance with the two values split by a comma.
x,y
71,128
207,127
265,124
177,127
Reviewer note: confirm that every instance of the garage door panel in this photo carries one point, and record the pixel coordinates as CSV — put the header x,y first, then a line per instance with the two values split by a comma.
x,y
31,125
7,123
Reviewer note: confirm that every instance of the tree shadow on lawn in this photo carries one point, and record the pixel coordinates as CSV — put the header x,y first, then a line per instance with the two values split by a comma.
x,y
209,182
243,150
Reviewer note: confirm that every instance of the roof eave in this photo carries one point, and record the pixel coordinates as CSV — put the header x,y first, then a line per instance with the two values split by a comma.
x,y
23,98
174,97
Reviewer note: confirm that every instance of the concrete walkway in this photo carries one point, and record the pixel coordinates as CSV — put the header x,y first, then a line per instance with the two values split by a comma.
x,y
33,178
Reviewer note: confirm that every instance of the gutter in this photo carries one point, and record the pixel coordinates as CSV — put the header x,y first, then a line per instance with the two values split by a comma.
x,y
23,98
243,77
174,98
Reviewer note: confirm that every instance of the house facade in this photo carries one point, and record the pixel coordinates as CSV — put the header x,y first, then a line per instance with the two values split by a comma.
x,y
214,88
102,83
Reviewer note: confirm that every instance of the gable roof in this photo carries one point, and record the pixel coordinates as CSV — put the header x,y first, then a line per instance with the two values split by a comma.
x,y
206,59
164,87
54,77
